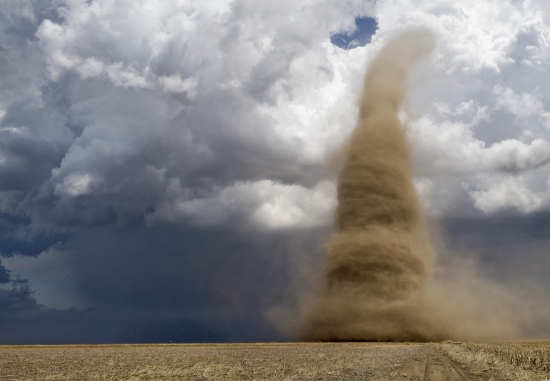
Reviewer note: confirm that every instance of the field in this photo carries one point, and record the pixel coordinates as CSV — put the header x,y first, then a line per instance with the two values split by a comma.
x,y
338,361
503,361
285,361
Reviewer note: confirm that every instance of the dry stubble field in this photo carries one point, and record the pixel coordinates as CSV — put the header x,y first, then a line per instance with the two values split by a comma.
x,y
289,361
529,361
339,361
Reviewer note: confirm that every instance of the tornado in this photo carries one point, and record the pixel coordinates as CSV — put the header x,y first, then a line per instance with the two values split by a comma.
x,y
380,259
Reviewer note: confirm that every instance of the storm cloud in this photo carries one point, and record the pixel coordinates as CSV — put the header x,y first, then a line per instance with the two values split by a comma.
x,y
166,166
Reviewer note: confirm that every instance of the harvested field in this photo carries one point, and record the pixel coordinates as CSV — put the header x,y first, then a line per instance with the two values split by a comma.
x,y
503,361
300,361
289,361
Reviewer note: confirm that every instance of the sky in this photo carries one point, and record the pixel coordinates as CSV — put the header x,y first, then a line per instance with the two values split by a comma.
x,y
166,167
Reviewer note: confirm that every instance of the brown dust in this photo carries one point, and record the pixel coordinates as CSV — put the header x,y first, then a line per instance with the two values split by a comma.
x,y
380,259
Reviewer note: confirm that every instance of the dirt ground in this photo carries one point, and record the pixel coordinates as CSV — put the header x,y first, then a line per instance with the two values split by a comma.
x,y
295,361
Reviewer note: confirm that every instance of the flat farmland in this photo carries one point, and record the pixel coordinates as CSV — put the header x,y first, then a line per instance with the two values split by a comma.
x,y
300,361
284,361
323,361
515,361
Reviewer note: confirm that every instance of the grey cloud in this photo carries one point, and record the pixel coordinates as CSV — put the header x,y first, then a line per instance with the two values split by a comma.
x,y
509,249
4,274
218,283
20,236
129,143
24,321
186,271
94,134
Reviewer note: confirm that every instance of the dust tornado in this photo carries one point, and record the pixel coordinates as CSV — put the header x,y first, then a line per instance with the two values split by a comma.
x,y
380,259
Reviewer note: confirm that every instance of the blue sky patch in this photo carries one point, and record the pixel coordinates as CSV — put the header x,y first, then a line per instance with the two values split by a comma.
x,y
365,28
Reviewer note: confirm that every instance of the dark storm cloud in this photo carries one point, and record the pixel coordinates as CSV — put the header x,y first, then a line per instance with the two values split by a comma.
x,y
173,270
4,274
24,321
27,161
19,236
510,249
166,284
512,230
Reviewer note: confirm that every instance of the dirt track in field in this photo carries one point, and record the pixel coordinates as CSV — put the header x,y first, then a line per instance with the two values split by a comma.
x,y
429,364
296,361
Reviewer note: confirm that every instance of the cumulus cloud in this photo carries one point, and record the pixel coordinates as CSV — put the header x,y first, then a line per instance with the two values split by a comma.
x,y
452,148
507,194
262,204
201,95
480,110
174,84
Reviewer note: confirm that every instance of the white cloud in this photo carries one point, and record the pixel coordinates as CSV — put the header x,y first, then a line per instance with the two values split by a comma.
x,y
452,148
508,194
91,67
224,97
292,206
174,84
480,109
76,184
523,105
263,204
126,76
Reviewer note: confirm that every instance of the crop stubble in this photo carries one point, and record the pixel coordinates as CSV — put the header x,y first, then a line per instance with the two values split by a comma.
x,y
296,361
516,361
288,361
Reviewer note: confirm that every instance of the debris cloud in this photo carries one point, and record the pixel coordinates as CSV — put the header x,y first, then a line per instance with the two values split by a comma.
x,y
380,260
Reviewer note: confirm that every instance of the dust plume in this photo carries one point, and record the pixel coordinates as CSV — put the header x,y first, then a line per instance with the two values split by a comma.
x,y
380,261
383,281
476,307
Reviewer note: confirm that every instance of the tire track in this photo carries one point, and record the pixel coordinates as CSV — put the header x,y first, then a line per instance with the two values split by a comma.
x,y
439,368
429,364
